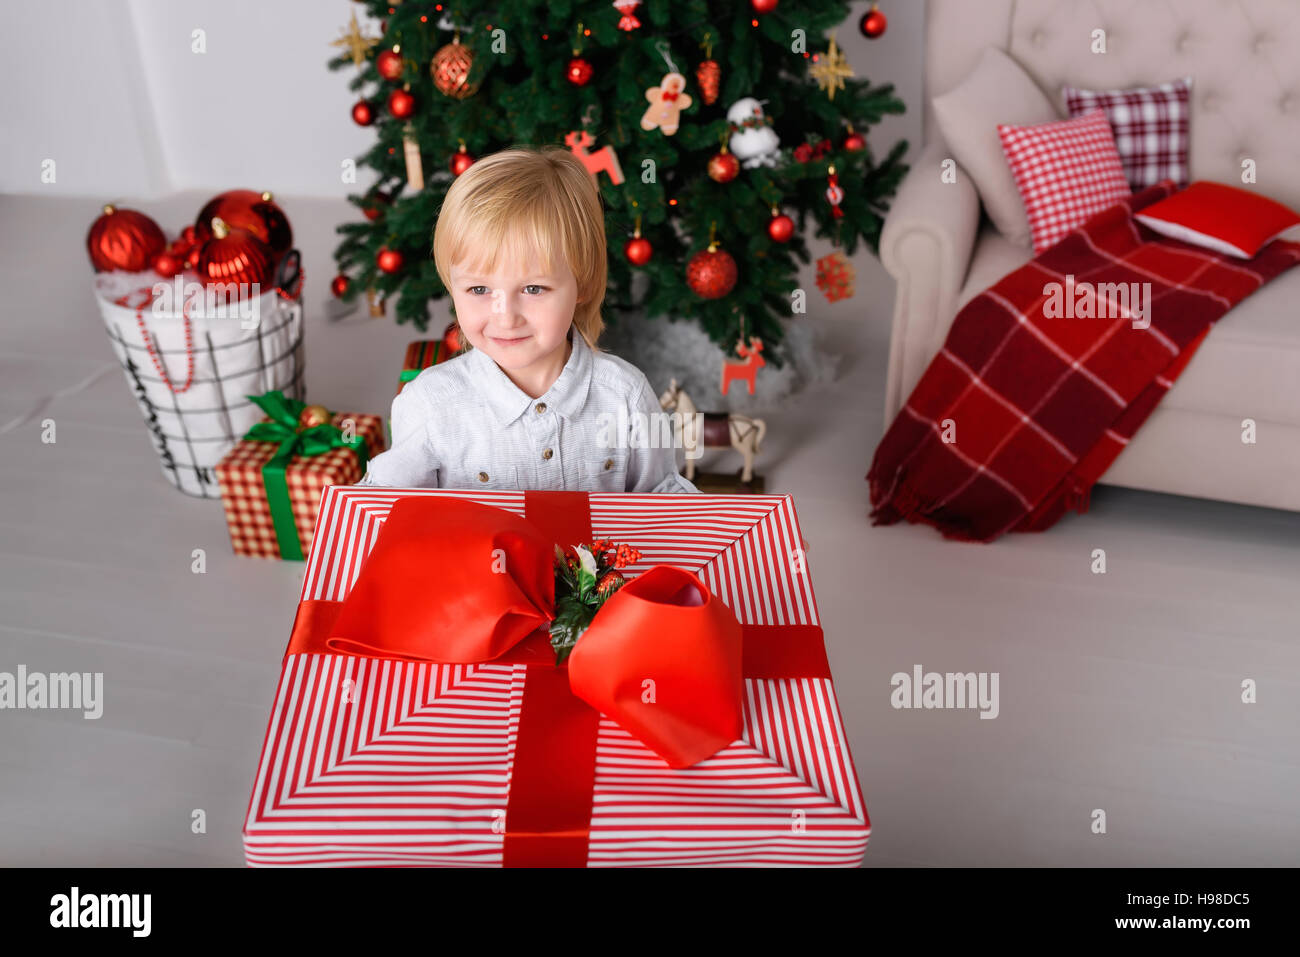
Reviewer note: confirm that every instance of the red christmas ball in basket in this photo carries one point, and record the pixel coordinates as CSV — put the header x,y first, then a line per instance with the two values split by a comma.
x,y
234,256
249,210
124,239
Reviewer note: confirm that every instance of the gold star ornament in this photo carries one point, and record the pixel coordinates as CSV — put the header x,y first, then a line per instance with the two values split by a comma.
x,y
831,70
357,43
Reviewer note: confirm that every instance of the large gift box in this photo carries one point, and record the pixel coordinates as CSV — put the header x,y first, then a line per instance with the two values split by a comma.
x,y
272,480
374,760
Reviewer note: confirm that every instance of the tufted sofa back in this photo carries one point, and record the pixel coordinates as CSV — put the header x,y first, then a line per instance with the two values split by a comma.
x,y
1243,56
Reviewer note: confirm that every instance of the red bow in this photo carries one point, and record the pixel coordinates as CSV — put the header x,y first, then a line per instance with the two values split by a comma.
x,y
669,96
456,582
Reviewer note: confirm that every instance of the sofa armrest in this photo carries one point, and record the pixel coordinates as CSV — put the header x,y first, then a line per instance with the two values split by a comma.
x,y
926,246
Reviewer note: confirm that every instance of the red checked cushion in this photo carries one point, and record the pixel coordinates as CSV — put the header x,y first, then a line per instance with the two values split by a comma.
x,y
1065,171
1150,126
1226,219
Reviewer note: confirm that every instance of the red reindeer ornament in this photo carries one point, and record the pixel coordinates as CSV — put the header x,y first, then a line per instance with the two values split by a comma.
x,y
603,160
744,371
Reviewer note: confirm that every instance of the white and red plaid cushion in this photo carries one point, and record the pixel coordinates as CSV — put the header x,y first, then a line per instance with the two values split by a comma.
x,y
1065,171
1150,126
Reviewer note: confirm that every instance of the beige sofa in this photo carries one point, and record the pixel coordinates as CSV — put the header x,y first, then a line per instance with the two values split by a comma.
x,y
1244,57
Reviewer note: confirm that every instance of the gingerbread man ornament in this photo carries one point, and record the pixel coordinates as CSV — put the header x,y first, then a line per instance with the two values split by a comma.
x,y
667,100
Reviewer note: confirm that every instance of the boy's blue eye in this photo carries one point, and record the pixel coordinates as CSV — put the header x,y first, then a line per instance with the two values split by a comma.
x,y
533,285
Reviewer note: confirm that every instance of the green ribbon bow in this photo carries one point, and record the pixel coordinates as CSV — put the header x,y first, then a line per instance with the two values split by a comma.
x,y
283,428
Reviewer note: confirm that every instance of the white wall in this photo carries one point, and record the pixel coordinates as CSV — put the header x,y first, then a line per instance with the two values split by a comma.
x,y
114,94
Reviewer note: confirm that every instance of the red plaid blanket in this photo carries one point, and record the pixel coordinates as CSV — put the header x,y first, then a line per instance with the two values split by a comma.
x,y
1046,376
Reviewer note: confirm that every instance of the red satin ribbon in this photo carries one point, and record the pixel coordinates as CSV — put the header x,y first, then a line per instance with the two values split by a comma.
x,y
548,810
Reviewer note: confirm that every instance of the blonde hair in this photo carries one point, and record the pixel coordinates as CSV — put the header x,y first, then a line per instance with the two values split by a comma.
x,y
520,200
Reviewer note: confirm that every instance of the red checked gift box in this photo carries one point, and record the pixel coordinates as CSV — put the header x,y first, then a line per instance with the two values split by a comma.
x,y
272,480
489,754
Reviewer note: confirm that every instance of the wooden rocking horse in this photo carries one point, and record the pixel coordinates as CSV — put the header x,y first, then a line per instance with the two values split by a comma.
x,y
719,429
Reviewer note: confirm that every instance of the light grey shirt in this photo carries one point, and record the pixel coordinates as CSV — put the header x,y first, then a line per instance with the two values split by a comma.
x,y
463,424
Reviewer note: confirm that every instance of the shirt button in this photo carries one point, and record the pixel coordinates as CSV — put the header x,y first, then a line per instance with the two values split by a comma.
x,y
546,453
541,407
609,464
482,476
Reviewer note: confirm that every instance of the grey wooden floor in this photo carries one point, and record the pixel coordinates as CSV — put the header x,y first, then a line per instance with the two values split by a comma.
x,y
1118,691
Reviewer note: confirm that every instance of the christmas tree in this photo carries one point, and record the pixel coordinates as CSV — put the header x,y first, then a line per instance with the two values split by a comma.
x,y
717,132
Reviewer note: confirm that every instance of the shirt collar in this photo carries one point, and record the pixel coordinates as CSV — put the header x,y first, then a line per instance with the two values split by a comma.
x,y
567,394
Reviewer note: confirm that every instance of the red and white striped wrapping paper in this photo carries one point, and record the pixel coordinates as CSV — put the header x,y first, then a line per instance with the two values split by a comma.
x,y
384,762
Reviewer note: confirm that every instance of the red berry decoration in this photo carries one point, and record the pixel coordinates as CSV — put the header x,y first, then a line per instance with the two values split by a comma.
x,y
712,273
873,24
362,114
339,286
723,166
168,264
763,6
855,143
389,64
780,227
461,160
401,104
389,260
375,205
249,210
123,239
233,256
579,71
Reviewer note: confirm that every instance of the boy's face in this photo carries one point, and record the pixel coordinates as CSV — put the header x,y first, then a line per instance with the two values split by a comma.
x,y
519,317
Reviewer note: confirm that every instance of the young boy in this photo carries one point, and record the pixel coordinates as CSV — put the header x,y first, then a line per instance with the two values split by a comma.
x,y
531,402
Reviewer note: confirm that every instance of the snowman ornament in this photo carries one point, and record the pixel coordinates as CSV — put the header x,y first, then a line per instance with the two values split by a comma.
x,y
753,141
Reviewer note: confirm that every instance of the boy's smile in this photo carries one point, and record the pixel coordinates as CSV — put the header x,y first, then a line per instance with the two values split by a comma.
x,y
520,318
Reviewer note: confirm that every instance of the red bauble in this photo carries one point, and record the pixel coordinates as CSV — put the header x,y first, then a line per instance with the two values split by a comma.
x,y
451,337
168,264
362,114
461,160
763,6
188,237
249,210
873,24
401,104
855,143
123,239
389,260
579,71
192,257
780,227
389,64
723,167
638,251
339,286
233,256
375,205
451,67
711,274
